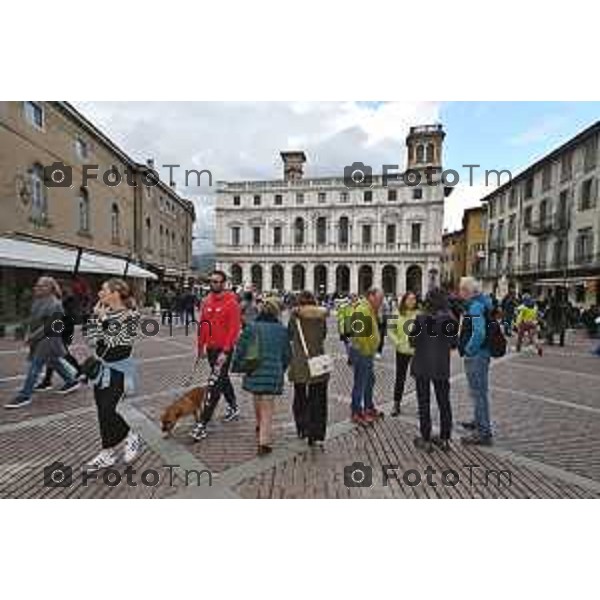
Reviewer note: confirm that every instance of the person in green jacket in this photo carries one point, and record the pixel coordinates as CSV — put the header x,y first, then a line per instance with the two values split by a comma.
x,y
344,311
407,313
266,380
363,331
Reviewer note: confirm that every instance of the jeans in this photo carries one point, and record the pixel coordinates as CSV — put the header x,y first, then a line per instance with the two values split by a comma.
x,y
36,366
477,370
364,381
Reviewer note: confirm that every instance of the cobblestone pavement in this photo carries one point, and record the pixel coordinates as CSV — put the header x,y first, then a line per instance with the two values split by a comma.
x,y
546,415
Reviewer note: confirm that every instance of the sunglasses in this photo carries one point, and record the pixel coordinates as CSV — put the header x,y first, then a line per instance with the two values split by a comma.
x,y
216,281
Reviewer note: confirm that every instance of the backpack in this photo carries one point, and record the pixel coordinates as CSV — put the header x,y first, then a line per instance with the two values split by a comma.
x,y
495,340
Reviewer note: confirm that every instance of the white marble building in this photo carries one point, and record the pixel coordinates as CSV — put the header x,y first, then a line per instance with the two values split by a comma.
x,y
318,234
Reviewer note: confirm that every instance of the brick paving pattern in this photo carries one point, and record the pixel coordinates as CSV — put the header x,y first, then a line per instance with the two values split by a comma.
x,y
546,414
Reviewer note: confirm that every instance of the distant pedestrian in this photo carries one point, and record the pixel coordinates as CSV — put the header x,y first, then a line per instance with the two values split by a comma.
x,y
269,339
405,319
307,329
527,324
111,371
436,334
509,307
248,307
473,348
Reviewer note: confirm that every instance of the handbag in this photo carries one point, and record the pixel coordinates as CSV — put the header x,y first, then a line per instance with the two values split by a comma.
x,y
251,359
317,365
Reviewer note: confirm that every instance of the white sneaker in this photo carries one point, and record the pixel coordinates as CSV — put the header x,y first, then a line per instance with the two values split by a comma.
x,y
106,458
378,356
133,446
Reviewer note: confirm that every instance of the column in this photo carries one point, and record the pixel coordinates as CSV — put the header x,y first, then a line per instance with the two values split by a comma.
x,y
287,276
354,277
330,277
377,279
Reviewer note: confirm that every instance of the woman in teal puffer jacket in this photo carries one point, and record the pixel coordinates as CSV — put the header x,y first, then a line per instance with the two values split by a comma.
x,y
266,381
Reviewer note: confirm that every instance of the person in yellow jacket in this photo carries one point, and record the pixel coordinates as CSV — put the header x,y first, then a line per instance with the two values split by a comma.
x,y
404,319
344,312
363,332
527,323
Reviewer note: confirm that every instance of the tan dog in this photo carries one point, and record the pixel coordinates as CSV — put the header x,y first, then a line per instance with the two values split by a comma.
x,y
191,404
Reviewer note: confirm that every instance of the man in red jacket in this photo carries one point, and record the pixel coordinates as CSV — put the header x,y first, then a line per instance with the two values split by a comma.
x,y
218,331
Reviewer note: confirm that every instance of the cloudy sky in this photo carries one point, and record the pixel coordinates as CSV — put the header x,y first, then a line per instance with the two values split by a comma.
x,y
242,140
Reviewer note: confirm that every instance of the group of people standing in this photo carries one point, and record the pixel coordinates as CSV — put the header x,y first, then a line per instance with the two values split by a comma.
x,y
424,337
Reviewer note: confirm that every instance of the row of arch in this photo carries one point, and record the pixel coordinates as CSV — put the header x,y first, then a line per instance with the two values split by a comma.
x,y
389,278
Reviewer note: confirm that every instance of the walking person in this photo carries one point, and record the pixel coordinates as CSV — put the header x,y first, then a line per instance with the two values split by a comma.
x,y
218,331
527,324
307,330
46,345
436,334
473,348
111,371
509,306
72,315
364,341
406,315
265,381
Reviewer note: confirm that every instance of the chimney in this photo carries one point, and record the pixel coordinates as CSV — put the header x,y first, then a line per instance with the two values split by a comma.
x,y
293,164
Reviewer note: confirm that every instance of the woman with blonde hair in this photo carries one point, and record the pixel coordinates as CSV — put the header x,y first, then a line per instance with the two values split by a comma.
x,y
112,371
263,354
405,319
46,346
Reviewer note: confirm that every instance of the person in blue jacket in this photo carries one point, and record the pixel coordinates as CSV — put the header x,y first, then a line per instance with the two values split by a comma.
x,y
476,354
267,380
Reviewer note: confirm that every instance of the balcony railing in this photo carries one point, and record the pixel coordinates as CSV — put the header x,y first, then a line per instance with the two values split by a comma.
x,y
311,248
550,224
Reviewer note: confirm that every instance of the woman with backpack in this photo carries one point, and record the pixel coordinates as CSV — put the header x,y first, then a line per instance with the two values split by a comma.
x,y
263,355
307,330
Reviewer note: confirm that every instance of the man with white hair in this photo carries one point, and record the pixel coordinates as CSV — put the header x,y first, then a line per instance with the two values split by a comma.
x,y
474,349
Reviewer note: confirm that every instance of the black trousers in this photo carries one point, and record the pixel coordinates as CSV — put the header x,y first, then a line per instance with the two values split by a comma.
x,y
442,395
402,362
382,326
113,427
310,409
219,383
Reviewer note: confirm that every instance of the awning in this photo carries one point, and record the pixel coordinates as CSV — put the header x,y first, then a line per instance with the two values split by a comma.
x,y
31,255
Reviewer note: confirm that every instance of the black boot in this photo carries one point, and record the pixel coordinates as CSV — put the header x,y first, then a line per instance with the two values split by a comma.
x,y
396,410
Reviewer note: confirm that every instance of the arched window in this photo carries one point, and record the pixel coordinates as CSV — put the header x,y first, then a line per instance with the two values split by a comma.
x,y
299,231
115,225
321,230
236,274
38,193
429,155
84,211
420,153
298,278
